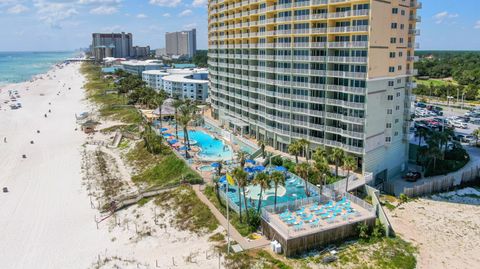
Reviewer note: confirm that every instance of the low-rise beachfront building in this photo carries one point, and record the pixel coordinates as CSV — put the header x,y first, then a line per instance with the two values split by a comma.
x,y
154,78
137,67
193,86
189,84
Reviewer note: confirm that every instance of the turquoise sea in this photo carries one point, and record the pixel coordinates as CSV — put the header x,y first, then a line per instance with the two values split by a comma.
x,y
21,66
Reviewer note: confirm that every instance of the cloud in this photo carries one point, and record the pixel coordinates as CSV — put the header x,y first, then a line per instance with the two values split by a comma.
x,y
444,16
54,13
186,12
190,26
165,3
17,9
142,16
86,2
199,3
104,10
477,25
166,15
112,29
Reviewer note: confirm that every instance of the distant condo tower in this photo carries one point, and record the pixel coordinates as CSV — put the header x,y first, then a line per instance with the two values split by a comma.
x,y
182,43
118,45
335,72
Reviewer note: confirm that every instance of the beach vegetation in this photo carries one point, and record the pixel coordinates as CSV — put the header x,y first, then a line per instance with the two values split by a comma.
x,y
189,212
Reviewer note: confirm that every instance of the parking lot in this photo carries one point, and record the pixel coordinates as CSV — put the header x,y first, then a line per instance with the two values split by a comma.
x,y
463,126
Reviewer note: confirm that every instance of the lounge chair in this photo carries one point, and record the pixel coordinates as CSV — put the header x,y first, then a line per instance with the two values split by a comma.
x,y
314,223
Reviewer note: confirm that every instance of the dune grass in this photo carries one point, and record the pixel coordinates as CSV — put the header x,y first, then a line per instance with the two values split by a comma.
x,y
111,105
190,213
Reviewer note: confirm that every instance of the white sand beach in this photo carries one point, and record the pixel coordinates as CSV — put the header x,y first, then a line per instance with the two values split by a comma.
x,y
46,220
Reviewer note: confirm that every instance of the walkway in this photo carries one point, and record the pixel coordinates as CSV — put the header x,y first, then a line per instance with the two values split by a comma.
x,y
235,235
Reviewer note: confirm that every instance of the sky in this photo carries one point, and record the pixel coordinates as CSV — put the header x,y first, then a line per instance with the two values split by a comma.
x,y
45,25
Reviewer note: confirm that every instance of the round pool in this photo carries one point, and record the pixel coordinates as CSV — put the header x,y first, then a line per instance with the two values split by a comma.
x,y
205,168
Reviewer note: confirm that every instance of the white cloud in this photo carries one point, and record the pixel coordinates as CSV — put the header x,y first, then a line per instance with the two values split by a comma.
x,y
199,3
104,10
17,9
113,28
83,2
165,3
142,16
166,15
54,13
444,16
477,25
190,26
186,12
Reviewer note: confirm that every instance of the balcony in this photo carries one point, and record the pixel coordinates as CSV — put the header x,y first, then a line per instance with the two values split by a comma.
x,y
413,45
350,13
352,44
413,58
342,117
416,4
412,72
348,29
346,89
343,59
414,32
417,18
344,74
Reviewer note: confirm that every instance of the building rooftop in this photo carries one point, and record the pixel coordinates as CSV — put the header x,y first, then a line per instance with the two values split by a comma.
x,y
140,63
156,72
184,78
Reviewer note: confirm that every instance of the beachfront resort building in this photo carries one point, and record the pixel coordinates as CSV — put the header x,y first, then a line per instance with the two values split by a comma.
x,y
117,45
181,83
181,44
335,72
136,67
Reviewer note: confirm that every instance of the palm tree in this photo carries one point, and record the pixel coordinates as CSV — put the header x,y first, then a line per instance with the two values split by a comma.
x,y
278,178
322,169
337,157
422,133
241,179
176,104
242,157
158,99
262,180
261,144
304,144
349,164
295,149
188,113
434,153
320,154
476,134
302,170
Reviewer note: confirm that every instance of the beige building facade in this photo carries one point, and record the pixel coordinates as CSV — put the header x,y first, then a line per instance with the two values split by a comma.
x,y
335,72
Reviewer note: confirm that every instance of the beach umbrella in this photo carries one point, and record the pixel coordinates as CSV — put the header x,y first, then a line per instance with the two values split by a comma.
x,y
167,135
250,161
176,145
259,168
249,170
215,165
223,179
163,130
280,169
173,141
183,148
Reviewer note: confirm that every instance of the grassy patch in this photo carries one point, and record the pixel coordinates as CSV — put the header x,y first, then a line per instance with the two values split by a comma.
x,y
169,171
434,82
243,228
143,201
140,158
254,259
111,105
190,213
383,253
218,237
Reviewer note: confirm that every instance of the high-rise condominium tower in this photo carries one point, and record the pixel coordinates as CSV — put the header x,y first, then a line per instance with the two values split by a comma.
x,y
118,45
335,72
182,43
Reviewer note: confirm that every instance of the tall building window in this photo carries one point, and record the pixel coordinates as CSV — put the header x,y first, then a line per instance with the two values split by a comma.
x,y
394,10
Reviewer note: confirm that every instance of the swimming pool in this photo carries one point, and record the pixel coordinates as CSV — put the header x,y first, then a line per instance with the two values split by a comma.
x,y
294,189
212,149
205,168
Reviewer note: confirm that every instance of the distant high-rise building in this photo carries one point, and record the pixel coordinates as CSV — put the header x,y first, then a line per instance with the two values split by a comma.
x,y
118,45
337,73
139,51
182,43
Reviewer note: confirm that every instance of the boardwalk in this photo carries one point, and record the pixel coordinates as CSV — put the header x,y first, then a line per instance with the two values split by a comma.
x,y
235,235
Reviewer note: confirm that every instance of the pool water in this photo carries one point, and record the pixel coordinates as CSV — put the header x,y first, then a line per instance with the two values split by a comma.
x,y
206,168
211,149
294,189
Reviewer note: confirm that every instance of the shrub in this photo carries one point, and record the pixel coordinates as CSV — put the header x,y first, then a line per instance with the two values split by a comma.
x,y
277,160
403,198
254,219
362,230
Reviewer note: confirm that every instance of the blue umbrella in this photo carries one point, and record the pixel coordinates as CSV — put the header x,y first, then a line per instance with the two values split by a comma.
x,y
163,130
249,170
167,135
183,148
173,141
280,169
223,179
250,161
215,165
259,168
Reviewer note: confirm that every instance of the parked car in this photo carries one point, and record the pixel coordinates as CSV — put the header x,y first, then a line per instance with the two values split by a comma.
x,y
458,124
413,176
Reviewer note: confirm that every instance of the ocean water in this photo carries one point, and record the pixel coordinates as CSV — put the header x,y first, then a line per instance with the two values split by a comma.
x,y
22,66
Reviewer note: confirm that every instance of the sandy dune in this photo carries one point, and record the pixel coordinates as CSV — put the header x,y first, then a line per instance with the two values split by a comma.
x,y
46,220
447,234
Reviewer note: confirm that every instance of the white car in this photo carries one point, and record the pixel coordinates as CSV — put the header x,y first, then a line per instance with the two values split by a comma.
x,y
458,124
